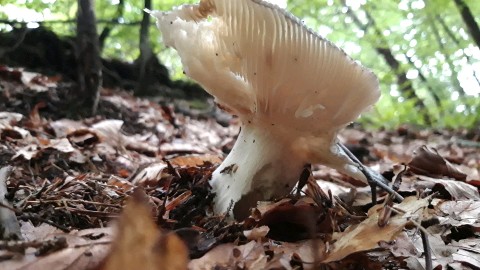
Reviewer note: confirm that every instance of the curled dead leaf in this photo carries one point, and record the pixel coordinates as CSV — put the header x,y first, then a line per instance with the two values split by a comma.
x,y
141,245
427,161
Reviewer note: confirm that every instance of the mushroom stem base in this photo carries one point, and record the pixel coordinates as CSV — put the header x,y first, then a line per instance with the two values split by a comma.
x,y
261,166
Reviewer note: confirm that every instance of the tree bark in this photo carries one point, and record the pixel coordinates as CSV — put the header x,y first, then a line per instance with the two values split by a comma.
x,y
108,28
146,52
88,56
469,20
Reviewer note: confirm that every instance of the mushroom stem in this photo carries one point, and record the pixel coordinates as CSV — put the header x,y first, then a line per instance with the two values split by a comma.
x,y
261,166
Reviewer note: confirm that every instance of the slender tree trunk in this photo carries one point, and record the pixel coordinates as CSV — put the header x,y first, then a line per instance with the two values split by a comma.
x,y
108,28
146,52
469,20
88,55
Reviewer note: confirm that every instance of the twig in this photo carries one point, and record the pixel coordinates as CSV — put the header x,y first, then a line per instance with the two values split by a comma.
x,y
424,235
388,204
74,201
374,179
9,226
91,212
426,250
29,216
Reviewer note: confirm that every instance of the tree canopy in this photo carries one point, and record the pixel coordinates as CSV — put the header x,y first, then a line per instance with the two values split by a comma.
x,y
425,53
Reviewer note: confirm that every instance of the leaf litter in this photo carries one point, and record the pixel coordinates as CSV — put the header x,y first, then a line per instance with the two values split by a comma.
x,y
129,189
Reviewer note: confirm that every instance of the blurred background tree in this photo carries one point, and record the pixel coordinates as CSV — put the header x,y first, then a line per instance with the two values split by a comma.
x,y
425,53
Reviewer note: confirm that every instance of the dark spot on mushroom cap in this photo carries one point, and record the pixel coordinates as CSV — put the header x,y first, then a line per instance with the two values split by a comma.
x,y
171,22
216,54
253,140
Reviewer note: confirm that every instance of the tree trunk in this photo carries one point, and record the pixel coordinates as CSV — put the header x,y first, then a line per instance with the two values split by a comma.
x,y
146,52
108,28
88,56
469,20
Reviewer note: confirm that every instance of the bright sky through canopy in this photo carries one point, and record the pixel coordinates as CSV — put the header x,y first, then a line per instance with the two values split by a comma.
x,y
280,3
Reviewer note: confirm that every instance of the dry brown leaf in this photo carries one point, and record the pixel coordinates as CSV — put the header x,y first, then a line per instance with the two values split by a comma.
x,y
63,127
401,247
256,233
248,256
441,253
139,243
83,137
86,249
367,235
457,190
151,174
460,213
9,118
427,161
470,257
35,149
195,160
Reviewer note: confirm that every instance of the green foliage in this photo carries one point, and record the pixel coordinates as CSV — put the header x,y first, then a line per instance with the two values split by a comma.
x,y
428,39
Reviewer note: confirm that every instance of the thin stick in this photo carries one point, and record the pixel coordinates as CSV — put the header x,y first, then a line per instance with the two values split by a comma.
x,y
426,250
374,179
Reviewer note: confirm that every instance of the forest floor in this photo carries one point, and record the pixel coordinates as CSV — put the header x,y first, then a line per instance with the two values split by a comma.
x,y
64,183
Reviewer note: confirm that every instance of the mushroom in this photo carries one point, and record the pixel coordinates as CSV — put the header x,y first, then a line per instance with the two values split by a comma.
x,y
292,89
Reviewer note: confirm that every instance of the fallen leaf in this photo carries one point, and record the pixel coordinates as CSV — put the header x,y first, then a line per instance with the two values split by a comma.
x,y
470,257
367,234
256,233
456,189
141,245
151,174
460,213
81,251
9,118
195,160
427,161
248,256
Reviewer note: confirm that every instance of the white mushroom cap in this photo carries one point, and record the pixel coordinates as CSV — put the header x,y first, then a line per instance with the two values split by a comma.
x,y
261,62
292,89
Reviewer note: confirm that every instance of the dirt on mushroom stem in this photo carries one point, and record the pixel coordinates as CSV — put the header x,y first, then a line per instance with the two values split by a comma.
x,y
262,165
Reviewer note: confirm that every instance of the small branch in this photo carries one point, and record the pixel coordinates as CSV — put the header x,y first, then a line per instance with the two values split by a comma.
x,y
426,250
374,179
32,216
102,21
